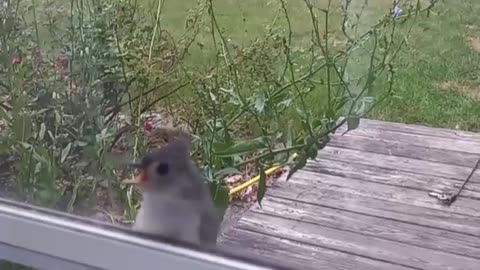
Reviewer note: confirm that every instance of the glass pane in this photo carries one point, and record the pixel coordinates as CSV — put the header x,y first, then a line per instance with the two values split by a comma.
x,y
182,120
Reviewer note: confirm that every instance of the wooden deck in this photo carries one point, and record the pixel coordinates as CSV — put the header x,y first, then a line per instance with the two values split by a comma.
x,y
364,204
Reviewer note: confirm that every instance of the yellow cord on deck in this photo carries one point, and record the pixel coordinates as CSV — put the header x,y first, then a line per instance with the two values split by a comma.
x,y
252,181
255,179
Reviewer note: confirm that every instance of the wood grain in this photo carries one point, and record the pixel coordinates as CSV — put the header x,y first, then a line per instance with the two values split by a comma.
x,y
335,198
369,124
371,173
419,140
394,148
354,243
396,163
466,206
371,226
363,204
298,255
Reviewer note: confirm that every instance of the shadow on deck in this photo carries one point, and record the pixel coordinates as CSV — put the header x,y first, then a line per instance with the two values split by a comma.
x,y
364,204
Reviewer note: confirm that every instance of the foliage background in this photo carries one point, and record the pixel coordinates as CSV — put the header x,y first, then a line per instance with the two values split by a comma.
x,y
80,79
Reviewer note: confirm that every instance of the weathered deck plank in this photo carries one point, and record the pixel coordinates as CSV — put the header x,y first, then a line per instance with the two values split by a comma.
x,y
393,148
355,243
407,213
418,129
380,227
298,255
469,146
397,163
306,182
393,177
365,199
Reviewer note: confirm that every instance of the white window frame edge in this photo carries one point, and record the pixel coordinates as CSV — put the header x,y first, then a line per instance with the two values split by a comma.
x,y
41,240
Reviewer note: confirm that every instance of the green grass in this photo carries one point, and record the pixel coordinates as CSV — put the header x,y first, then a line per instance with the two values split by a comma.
x,y
242,21
437,52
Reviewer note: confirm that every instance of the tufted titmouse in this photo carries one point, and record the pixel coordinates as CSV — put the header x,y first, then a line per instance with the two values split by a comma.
x,y
176,201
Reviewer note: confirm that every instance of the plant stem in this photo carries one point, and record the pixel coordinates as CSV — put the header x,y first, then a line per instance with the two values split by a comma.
x,y
35,23
157,25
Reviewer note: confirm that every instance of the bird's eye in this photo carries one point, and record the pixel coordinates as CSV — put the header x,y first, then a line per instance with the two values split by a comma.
x,y
162,169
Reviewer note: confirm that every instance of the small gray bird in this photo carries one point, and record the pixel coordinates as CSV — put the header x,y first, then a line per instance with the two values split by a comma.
x,y
176,201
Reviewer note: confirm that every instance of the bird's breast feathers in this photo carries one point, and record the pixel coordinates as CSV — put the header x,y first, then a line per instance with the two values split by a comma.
x,y
170,218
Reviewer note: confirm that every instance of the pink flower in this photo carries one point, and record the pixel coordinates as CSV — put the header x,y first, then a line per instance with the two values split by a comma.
x,y
16,60
148,126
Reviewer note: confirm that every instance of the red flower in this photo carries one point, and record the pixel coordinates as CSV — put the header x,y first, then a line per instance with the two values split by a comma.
x,y
148,126
16,60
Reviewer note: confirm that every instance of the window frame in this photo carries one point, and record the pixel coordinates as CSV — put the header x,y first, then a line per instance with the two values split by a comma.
x,y
47,239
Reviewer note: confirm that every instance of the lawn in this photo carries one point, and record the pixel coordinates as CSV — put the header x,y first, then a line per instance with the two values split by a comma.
x,y
438,82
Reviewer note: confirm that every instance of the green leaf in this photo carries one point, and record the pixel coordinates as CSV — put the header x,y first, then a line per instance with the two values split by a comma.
x,y
330,113
26,145
302,161
19,104
323,142
242,147
281,158
342,101
290,136
312,151
41,111
260,103
41,156
213,97
5,115
217,146
4,148
262,185
285,103
81,143
225,172
58,118
41,134
22,127
352,123
47,196
50,134
219,195
38,167
65,152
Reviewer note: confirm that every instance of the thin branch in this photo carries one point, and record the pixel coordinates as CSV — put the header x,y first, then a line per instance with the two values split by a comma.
x,y
151,104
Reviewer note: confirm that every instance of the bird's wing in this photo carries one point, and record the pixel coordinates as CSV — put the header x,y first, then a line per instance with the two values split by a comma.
x,y
209,226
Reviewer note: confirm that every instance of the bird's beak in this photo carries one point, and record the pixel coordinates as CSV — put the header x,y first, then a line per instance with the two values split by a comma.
x,y
134,181
137,179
